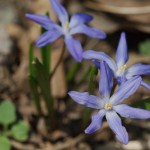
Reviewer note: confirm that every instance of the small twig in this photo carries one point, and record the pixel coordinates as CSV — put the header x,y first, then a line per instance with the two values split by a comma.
x,y
59,61
70,142
18,145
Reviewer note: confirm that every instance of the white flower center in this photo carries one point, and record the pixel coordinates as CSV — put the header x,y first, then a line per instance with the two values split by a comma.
x,y
66,27
121,70
108,106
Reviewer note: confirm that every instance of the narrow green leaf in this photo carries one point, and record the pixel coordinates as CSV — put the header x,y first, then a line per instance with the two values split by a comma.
x,y
73,71
85,75
86,116
43,80
91,87
5,143
144,104
92,82
35,93
31,58
7,113
20,131
46,55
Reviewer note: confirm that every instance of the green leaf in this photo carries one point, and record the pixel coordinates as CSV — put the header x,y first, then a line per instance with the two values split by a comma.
x,y
43,79
35,93
72,71
148,81
20,131
86,116
7,113
4,143
144,47
92,79
31,58
92,82
144,104
147,105
45,55
85,75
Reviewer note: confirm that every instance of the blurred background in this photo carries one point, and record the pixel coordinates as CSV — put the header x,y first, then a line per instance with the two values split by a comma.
x,y
16,35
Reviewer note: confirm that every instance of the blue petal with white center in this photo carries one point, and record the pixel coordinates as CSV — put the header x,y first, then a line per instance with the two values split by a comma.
x,y
119,68
125,90
130,112
60,11
111,106
115,124
122,51
67,29
84,98
79,18
96,122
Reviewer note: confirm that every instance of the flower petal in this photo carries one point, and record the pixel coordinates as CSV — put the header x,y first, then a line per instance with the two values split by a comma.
x,y
90,54
146,85
130,112
122,51
115,124
84,98
105,82
96,122
109,77
74,47
121,79
97,64
91,32
138,69
80,18
48,37
43,20
59,10
125,90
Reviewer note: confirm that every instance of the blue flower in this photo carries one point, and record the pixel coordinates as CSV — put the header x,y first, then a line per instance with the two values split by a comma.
x,y
119,68
77,24
109,106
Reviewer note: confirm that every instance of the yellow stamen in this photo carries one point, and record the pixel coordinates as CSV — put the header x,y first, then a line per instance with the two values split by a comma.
x,y
66,26
108,106
123,68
